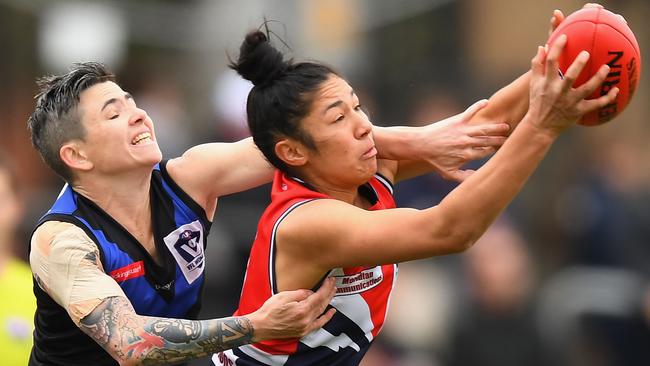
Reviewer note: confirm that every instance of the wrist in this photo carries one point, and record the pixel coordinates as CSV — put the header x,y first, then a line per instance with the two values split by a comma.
x,y
540,133
397,143
256,325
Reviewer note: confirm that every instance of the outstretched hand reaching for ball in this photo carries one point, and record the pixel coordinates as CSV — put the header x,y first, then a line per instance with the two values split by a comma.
x,y
454,142
554,103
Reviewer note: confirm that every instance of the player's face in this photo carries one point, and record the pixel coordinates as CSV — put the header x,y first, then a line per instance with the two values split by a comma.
x,y
345,150
119,134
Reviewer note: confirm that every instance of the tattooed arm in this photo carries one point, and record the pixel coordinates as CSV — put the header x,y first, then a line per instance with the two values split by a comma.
x,y
141,340
67,266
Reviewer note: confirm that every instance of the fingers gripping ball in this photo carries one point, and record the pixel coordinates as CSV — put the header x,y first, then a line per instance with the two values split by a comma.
x,y
609,40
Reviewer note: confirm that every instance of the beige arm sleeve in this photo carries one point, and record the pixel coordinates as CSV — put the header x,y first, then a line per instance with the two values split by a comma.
x,y
66,265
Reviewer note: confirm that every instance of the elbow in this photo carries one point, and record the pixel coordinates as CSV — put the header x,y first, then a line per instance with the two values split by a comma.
x,y
453,233
465,244
469,236
460,237
459,244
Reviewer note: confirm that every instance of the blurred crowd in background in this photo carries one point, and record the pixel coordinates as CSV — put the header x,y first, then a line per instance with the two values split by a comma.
x,y
563,278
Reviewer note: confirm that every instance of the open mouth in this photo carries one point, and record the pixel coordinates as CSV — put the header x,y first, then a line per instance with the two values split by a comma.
x,y
141,138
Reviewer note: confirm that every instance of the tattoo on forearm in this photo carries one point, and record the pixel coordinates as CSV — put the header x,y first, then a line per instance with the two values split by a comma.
x,y
228,333
115,326
176,330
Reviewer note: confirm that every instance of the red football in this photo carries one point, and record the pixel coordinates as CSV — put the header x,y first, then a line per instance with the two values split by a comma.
x,y
609,40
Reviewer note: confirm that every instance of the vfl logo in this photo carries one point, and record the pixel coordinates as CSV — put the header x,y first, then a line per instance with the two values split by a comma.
x,y
186,245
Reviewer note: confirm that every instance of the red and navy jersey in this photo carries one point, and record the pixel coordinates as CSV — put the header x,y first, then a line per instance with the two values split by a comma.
x,y
171,288
361,299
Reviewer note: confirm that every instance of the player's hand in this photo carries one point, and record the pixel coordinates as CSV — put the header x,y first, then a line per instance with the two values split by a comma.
x,y
293,314
558,16
554,103
453,142
556,19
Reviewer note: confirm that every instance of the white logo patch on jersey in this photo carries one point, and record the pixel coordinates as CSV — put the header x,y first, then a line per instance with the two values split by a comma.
x,y
186,245
358,282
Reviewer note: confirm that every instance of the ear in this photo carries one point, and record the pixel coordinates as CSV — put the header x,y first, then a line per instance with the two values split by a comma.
x,y
74,156
291,152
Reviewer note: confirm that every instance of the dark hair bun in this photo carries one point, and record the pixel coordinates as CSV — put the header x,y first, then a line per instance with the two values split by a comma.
x,y
258,60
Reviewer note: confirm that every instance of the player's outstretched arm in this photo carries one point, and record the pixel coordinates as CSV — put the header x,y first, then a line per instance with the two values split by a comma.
x,y
508,105
141,340
443,147
446,146
209,171
343,235
138,340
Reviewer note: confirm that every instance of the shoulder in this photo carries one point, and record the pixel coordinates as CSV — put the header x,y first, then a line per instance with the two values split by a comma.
x,y
60,233
57,245
66,264
313,219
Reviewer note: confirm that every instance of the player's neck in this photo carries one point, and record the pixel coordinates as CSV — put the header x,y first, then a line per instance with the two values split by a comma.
x,y
125,200
348,192
349,195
